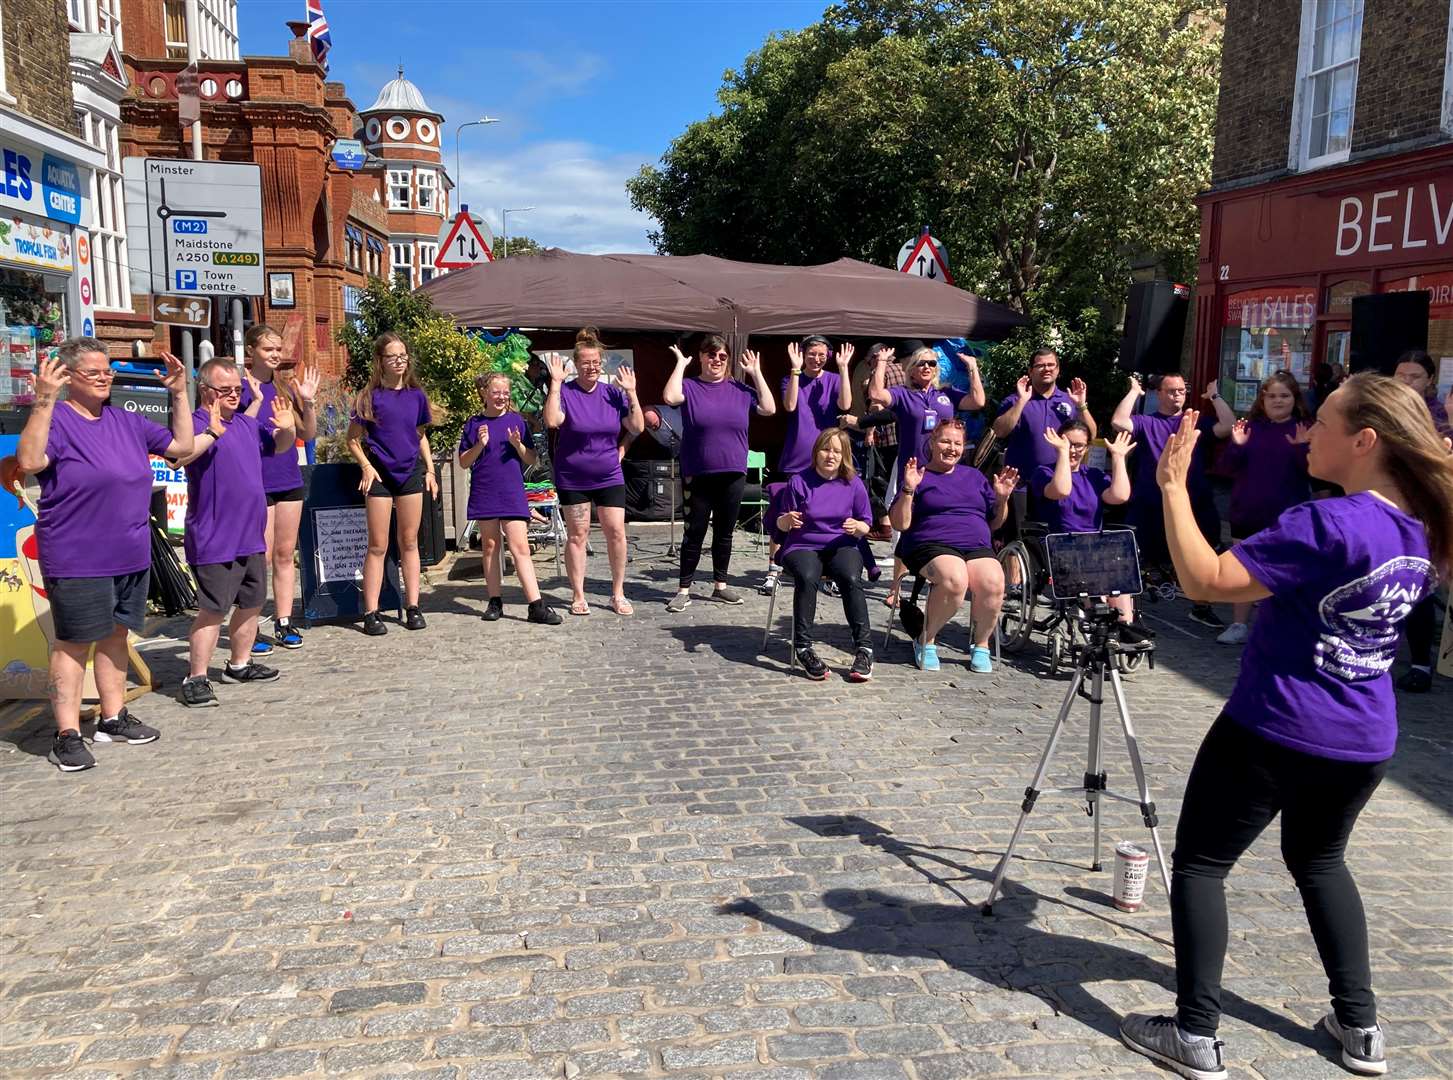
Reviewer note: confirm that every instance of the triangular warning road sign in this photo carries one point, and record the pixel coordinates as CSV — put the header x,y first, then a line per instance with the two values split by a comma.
x,y
926,260
464,247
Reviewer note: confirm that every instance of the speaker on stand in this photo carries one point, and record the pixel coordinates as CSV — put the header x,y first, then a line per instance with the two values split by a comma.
x,y
1155,327
1386,325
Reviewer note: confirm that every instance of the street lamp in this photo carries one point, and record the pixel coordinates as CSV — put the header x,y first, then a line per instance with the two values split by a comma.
x,y
458,176
504,224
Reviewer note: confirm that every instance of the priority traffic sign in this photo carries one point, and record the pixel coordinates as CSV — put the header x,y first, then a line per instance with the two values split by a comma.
x,y
925,257
183,310
464,246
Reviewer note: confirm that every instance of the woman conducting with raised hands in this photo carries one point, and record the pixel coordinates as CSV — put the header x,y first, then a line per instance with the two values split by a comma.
x,y
1311,722
946,514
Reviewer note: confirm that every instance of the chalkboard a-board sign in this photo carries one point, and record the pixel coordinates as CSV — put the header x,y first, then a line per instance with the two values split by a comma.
x,y
332,543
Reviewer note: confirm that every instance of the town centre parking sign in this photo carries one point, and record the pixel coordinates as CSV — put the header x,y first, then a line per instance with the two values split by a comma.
x,y
194,226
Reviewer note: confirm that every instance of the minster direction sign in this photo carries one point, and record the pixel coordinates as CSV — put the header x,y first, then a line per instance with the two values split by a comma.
x,y
194,227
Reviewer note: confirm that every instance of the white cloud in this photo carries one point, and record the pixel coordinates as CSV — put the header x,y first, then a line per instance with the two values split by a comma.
x,y
578,191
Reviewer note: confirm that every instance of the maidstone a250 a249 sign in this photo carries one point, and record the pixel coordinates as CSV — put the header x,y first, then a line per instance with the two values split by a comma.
x,y
194,226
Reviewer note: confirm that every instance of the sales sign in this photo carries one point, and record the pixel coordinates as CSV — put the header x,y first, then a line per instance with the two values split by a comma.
x,y
195,226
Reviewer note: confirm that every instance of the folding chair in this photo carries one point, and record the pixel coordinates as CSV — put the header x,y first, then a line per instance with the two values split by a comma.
x,y
921,585
756,521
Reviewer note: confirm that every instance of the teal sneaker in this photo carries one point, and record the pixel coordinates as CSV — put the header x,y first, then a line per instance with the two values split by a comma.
x,y
925,656
979,660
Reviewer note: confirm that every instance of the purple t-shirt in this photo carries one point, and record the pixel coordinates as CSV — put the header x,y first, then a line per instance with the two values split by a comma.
x,y
1152,431
714,417
1079,511
824,506
1025,449
1343,574
951,508
497,477
280,469
919,412
586,454
1270,475
816,411
391,438
95,494
226,507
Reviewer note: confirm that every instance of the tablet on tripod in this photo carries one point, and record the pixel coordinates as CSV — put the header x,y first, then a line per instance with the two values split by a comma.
x,y
1093,564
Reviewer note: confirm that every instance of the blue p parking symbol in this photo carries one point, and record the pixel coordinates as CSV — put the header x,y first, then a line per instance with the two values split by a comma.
x,y
186,279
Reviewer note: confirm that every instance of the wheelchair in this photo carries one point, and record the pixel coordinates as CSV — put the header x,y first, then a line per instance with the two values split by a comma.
x,y
1030,609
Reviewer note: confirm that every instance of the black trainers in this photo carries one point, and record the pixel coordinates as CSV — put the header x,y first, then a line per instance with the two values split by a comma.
x,y
414,619
862,669
125,729
252,671
542,613
1203,614
69,754
372,625
493,610
815,669
725,594
286,634
1416,681
197,693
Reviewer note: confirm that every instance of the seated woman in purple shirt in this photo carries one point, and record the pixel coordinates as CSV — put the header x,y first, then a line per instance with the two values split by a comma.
x,y
1312,721
493,448
825,516
588,414
715,413
386,436
92,530
1071,496
1267,456
946,514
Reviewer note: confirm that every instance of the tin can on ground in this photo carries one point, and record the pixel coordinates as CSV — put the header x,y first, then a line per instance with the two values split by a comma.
x,y
1131,864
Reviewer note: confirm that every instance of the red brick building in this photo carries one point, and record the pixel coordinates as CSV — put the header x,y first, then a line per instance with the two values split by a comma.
x,y
1332,178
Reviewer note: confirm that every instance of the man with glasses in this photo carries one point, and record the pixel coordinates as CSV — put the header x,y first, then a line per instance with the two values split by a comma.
x,y
92,531
226,525
1036,406
1152,432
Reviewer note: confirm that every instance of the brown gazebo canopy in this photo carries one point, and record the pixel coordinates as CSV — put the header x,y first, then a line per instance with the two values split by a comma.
x,y
701,292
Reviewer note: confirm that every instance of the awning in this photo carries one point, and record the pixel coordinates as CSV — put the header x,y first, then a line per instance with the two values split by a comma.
x,y
355,235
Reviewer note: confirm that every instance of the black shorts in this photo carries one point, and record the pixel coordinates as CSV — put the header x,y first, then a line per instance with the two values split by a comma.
x,y
386,487
86,609
243,582
615,495
290,495
925,553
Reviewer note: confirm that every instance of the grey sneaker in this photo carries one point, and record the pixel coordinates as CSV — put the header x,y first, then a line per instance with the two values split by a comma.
x,y
725,594
679,603
125,729
198,693
252,671
1362,1048
1159,1038
69,754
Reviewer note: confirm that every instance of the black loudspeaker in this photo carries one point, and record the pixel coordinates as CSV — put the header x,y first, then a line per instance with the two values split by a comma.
x,y
431,526
648,490
1386,325
1155,327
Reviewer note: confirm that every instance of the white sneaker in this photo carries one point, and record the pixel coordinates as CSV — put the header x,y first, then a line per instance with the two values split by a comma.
x,y
1235,634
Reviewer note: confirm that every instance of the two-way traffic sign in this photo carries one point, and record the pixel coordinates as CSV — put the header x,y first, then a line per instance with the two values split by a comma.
x,y
925,257
183,310
464,245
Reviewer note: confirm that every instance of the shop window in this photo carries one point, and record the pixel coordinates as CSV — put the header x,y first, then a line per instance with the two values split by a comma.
x,y
1439,287
1326,95
1341,294
1265,331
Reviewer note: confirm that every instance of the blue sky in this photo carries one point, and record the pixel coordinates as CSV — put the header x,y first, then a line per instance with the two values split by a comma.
x,y
587,92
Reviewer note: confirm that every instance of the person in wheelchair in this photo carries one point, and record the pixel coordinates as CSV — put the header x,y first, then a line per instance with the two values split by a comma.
x,y
825,516
1071,496
946,513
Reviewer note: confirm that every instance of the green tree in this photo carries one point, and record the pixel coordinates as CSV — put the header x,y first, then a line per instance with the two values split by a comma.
x,y
519,245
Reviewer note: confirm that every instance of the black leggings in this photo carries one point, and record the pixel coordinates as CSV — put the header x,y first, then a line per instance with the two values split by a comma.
x,y
844,566
711,499
1420,627
1239,782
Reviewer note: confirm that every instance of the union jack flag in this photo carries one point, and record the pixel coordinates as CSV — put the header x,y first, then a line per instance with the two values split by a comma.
x,y
319,39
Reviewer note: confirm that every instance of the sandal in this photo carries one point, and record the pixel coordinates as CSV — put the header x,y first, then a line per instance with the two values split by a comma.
x,y
622,606
579,607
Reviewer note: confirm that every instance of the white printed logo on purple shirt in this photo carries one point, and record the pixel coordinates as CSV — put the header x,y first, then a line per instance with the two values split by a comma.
x,y
1363,618
1063,410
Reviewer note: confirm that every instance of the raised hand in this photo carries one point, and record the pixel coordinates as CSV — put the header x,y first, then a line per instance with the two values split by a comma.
x,y
1055,439
252,384
882,356
969,360
282,411
175,379
1135,385
794,356
1213,388
789,520
1079,392
513,434
214,417
845,356
555,364
751,362
1024,388
1301,437
847,420
1005,483
48,380
1175,459
854,527
626,379
307,383
912,474
1241,433
682,360
481,437
1120,445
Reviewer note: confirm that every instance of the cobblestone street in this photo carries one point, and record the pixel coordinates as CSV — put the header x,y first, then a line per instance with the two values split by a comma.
x,y
636,847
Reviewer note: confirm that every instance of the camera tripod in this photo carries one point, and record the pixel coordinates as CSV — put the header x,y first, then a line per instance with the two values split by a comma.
x,y
1093,658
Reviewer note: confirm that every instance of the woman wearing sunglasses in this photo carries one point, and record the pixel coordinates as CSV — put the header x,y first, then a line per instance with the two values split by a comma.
x,y
715,412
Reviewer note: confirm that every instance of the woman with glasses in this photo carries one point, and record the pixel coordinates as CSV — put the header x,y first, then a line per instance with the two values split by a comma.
x,y
715,412
922,405
387,437
92,461
946,513
588,415
282,476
